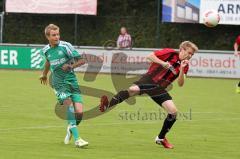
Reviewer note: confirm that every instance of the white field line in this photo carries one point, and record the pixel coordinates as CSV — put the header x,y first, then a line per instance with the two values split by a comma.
x,y
110,124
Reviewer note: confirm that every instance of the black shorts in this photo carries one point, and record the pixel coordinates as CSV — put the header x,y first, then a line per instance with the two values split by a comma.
x,y
155,91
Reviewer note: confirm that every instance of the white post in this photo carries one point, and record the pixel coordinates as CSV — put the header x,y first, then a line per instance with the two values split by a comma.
x,y
1,27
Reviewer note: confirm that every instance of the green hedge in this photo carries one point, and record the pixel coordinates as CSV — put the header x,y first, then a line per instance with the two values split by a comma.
x,y
138,16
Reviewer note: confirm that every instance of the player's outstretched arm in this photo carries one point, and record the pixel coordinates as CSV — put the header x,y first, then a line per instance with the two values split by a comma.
x,y
43,77
153,58
77,63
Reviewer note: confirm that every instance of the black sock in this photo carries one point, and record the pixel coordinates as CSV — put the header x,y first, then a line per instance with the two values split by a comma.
x,y
78,117
118,98
239,84
168,123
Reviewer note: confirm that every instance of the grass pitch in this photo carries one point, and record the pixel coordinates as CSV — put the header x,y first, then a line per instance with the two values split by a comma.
x,y
207,128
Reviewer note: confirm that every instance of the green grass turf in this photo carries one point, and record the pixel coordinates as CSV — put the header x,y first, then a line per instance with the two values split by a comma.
x,y
30,129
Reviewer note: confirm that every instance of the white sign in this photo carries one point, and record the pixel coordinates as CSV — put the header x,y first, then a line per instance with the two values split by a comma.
x,y
192,11
52,6
229,10
115,61
222,65
1,27
215,65
8,57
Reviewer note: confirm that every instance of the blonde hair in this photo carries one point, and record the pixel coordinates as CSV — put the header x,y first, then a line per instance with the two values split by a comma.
x,y
189,44
49,28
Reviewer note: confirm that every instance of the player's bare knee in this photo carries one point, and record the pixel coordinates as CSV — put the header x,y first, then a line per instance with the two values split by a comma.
x,y
174,114
67,102
78,111
170,107
174,111
133,90
78,108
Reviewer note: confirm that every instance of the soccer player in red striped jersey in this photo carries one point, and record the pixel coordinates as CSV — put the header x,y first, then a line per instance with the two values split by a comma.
x,y
236,53
167,65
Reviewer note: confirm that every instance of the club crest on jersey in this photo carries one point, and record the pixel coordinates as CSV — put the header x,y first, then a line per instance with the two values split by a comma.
x,y
60,52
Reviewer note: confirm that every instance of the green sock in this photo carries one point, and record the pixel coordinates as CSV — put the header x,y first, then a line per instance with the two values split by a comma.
x,y
74,131
72,122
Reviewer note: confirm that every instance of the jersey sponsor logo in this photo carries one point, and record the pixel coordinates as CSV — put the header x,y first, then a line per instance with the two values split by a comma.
x,y
58,61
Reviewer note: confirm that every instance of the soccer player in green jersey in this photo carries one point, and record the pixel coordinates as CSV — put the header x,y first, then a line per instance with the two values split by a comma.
x,y
61,59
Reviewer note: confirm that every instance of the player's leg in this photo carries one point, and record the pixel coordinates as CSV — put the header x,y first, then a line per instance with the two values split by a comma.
x,y
118,98
78,109
78,106
66,104
170,119
66,97
143,85
165,100
72,123
77,101
74,117
79,115
238,88
124,94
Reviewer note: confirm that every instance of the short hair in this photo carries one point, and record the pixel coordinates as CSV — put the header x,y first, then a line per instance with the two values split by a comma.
x,y
49,28
189,44
123,27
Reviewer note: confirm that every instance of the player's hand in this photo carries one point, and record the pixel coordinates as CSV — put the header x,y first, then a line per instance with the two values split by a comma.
x,y
81,62
43,79
166,65
184,63
66,67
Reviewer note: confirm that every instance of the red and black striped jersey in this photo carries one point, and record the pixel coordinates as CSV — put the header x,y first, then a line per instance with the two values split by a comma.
x,y
158,73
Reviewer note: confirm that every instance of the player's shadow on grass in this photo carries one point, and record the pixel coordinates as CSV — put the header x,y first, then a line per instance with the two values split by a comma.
x,y
61,111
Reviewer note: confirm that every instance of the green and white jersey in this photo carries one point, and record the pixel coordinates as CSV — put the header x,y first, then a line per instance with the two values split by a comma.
x,y
57,56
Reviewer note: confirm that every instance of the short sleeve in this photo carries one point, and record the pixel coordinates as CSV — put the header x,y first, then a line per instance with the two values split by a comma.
x,y
72,52
44,52
164,53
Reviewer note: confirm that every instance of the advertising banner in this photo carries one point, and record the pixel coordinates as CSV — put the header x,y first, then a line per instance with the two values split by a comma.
x,y
88,7
229,10
222,64
192,11
21,58
215,65
202,64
